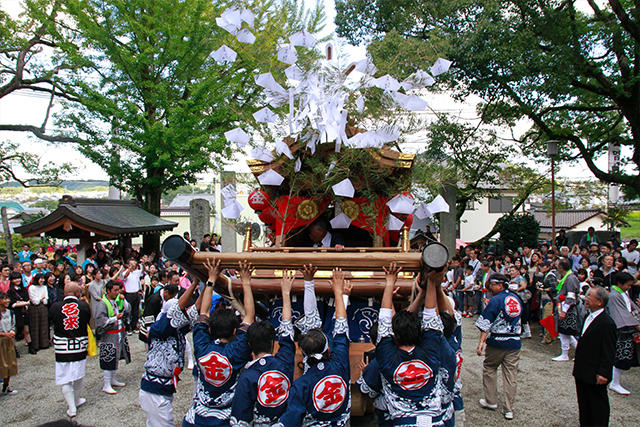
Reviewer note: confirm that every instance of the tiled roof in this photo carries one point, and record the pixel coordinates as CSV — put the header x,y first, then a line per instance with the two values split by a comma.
x,y
100,216
565,220
182,200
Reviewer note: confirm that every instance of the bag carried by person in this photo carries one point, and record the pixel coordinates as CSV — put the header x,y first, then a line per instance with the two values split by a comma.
x,y
92,348
525,295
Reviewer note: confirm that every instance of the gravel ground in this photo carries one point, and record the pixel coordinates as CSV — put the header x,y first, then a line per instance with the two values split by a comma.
x,y
546,393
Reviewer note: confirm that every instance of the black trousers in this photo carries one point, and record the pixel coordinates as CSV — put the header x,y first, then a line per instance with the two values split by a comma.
x,y
133,298
593,404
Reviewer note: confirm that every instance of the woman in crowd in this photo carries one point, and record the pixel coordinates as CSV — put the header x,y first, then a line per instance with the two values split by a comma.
x,y
59,269
535,277
497,265
88,273
518,285
50,282
8,362
20,305
38,314
621,265
77,270
95,290
626,314
584,263
536,259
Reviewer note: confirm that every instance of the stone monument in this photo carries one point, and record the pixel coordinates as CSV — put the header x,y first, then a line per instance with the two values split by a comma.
x,y
199,217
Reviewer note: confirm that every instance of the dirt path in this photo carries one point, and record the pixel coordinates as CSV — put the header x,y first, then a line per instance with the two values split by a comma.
x,y
546,393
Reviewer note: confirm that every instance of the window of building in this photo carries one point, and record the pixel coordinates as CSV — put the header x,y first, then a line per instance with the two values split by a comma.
x,y
501,205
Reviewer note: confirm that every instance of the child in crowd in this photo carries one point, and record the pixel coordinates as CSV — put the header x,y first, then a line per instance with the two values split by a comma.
x,y
583,277
468,292
8,362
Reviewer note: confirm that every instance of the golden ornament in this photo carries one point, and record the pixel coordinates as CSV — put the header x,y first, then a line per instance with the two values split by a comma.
x,y
307,210
350,209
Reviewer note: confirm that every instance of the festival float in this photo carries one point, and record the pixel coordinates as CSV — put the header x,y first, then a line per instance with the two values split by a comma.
x,y
326,166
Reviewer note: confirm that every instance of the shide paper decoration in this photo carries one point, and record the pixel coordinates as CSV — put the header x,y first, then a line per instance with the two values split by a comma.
x,y
317,113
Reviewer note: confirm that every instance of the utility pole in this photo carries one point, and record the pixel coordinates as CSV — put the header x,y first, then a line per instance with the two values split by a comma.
x,y
552,151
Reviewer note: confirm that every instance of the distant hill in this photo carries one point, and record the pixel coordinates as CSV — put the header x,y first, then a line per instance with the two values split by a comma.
x,y
71,185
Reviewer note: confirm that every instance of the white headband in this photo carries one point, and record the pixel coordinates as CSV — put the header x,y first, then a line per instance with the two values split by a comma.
x,y
318,356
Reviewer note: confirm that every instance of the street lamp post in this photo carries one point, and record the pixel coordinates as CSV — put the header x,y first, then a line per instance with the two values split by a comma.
x,y
552,151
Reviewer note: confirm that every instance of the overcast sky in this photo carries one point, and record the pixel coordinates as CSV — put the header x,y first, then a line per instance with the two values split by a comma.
x,y
29,108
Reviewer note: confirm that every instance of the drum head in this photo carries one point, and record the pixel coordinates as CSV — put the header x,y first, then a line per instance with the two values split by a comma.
x,y
173,247
435,255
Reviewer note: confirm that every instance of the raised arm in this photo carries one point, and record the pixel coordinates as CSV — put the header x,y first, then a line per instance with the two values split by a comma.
x,y
417,302
434,279
311,317
287,282
213,270
310,303
126,273
391,276
183,301
249,306
116,274
340,348
337,283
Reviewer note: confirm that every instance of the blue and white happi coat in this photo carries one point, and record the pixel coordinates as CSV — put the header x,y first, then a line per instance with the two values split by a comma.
x,y
167,343
321,397
501,320
218,366
262,393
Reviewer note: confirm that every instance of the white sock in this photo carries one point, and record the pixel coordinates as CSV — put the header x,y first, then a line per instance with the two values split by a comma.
x,y
189,351
565,343
107,378
67,392
617,375
574,342
77,389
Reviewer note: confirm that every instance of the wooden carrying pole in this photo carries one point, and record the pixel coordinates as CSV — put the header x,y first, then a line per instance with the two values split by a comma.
x,y
269,266
175,248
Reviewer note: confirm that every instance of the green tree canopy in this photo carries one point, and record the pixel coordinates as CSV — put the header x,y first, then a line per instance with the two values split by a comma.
x,y
518,230
573,72
152,104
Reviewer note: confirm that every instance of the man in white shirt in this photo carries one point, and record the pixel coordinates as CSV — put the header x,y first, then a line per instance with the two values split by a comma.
x,y
132,293
632,256
474,262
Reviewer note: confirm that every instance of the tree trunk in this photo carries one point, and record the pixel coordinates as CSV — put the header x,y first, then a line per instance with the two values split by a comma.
x,y
7,234
151,242
448,220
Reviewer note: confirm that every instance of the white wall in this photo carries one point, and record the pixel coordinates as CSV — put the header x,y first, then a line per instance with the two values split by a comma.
x,y
476,223
595,222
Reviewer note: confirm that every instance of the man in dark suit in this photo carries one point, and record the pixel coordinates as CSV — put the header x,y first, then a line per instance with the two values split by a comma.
x,y
594,360
320,236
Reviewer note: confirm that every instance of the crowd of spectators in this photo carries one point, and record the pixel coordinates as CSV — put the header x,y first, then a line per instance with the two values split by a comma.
x,y
535,274
595,263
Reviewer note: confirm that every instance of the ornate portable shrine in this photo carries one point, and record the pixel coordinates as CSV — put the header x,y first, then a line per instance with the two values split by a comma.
x,y
288,209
